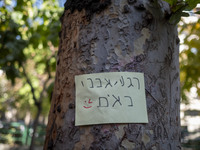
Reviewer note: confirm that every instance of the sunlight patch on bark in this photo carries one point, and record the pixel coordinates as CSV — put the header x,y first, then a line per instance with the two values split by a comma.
x,y
140,42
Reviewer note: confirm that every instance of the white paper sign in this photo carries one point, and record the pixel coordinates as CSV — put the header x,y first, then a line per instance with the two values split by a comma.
x,y
114,97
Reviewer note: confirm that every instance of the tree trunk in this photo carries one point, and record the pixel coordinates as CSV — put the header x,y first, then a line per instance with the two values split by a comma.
x,y
115,36
35,125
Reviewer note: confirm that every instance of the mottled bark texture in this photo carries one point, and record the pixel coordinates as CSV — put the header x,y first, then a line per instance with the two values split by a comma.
x,y
114,36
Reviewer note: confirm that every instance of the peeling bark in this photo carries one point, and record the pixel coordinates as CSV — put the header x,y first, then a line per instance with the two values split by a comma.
x,y
122,36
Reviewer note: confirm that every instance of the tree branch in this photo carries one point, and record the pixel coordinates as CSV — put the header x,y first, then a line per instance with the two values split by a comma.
x,y
48,78
30,84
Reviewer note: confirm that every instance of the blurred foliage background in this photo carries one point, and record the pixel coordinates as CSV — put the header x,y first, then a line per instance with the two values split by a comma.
x,y
29,40
190,56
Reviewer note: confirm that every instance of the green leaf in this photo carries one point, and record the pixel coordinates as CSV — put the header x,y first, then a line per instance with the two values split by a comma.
x,y
171,2
178,8
175,18
191,4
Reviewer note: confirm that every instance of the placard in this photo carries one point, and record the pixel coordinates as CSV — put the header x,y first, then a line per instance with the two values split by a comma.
x,y
113,97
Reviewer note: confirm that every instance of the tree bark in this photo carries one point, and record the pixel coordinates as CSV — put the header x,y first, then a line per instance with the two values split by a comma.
x,y
115,36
